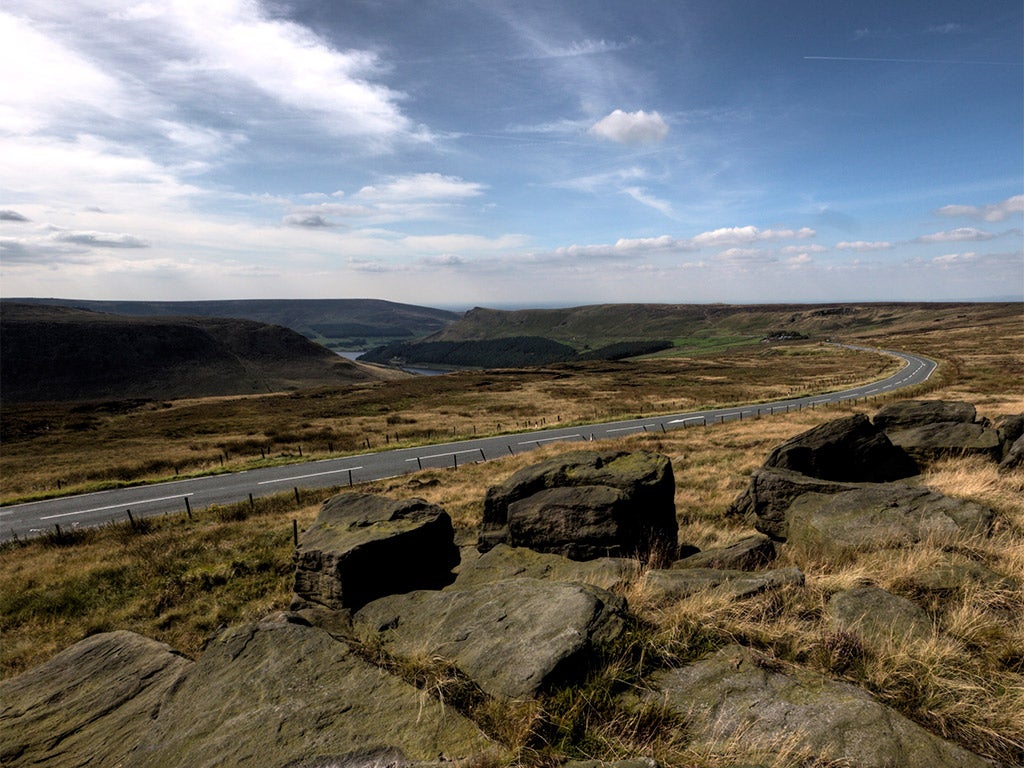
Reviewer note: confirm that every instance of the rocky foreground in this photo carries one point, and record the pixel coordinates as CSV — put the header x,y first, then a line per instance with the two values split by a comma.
x,y
381,587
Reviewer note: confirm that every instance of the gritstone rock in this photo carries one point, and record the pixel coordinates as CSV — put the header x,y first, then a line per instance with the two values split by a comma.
x,y
849,450
675,584
733,693
278,694
917,413
586,504
747,554
512,638
88,705
505,562
878,616
364,546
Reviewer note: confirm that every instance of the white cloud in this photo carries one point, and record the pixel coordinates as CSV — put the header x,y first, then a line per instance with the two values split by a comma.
x,y
864,246
640,195
995,212
963,234
749,234
631,127
791,250
422,186
955,258
747,255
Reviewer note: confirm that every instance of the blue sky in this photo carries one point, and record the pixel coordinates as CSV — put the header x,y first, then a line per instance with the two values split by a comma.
x,y
512,154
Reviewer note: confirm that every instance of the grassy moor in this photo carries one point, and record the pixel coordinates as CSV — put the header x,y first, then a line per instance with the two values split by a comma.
x,y
178,580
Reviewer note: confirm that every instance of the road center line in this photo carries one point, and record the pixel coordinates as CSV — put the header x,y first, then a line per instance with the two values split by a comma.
x,y
303,477
115,506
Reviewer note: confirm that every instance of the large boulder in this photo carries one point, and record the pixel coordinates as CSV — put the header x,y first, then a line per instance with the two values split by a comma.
x,y
769,493
930,429
850,449
934,441
586,504
505,562
1014,458
917,413
733,694
512,638
886,515
88,705
279,694
363,546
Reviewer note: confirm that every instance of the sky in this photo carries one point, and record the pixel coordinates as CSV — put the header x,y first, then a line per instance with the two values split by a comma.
x,y
459,153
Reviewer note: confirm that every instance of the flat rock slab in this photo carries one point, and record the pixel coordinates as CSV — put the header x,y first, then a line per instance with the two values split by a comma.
x,y
512,638
850,449
675,584
887,515
916,413
877,616
933,441
89,704
281,694
364,546
623,505
733,694
747,554
505,562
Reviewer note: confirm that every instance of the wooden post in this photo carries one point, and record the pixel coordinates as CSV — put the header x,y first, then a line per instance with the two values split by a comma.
x,y
295,532
298,502
252,504
131,520
188,508
350,478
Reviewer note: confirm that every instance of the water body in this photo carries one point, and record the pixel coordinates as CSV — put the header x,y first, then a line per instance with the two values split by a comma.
x,y
417,371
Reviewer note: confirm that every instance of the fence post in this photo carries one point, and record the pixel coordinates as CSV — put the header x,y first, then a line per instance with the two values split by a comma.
x,y
188,508
295,532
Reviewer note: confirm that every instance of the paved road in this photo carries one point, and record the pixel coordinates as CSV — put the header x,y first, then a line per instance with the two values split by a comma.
x,y
24,520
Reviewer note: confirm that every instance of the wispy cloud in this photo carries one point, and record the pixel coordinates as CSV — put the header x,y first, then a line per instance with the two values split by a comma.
x,y
9,215
743,235
1005,209
962,234
864,246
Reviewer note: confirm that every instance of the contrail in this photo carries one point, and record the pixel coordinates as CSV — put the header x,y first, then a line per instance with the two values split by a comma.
x,y
914,61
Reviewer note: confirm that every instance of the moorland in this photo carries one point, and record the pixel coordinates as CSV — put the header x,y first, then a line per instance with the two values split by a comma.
x,y
178,580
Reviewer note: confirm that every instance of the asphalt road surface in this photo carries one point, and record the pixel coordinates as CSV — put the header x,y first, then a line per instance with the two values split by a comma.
x,y
177,497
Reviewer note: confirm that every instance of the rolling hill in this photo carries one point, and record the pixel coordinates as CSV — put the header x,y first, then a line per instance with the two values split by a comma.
x,y
61,353
337,323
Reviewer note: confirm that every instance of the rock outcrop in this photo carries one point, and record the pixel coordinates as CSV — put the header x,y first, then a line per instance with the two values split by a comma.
x,y
675,584
849,450
276,693
930,429
734,693
585,505
747,554
512,638
877,616
879,516
505,562
87,705
364,546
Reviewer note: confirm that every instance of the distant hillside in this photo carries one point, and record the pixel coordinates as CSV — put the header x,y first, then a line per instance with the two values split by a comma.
x,y
615,331
337,323
60,353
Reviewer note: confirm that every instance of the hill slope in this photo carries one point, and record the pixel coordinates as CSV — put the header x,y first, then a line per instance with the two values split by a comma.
x,y
344,323
59,353
622,330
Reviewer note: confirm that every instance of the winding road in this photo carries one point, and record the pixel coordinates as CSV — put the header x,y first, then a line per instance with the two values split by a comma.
x,y
180,496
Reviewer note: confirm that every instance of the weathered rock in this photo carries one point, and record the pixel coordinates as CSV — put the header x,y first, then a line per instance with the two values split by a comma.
x,y
512,638
1014,458
89,704
639,762
850,449
933,441
767,497
917,413
957,573
1011,428
505,562
878,516
282,694
879,617
675,584
734,694
363,546
747,554
628,511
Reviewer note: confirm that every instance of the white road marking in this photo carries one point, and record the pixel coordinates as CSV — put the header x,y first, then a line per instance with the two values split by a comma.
x,y
303,477
114,506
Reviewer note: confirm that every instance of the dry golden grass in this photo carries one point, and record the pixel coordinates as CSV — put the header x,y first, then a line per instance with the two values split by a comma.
x,y
178,581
